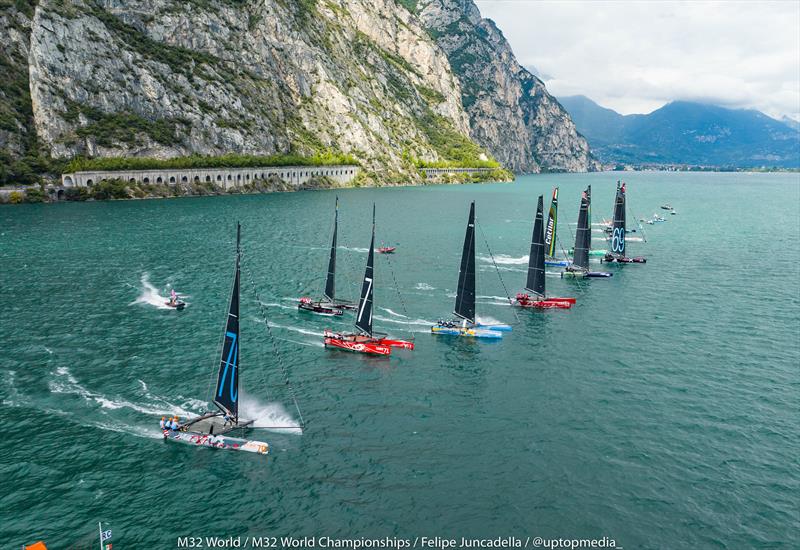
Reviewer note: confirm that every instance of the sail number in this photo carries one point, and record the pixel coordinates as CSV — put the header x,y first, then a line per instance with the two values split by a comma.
x,y
618,240
230,364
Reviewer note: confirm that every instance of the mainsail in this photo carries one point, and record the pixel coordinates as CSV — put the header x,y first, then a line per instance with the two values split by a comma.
x,y
618,226
330,282
583,235
552,222
227,392
364,318
536,275
465,297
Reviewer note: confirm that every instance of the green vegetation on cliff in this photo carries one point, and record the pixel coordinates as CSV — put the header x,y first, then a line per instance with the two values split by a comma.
x,y
224,161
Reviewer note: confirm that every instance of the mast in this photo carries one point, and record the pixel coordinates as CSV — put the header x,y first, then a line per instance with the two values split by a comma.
x,y
535,283
583,235
364,318
552,222
618,225
226,394
465,297
330,282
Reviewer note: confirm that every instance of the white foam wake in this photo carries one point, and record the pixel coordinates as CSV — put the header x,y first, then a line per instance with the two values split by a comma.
x,y
149,295
503,259
391,312
424,286
268,416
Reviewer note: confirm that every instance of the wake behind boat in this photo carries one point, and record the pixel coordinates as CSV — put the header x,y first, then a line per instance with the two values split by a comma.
x,y
211,429
465,324
618,232
328,305
365,340
535,284
579,268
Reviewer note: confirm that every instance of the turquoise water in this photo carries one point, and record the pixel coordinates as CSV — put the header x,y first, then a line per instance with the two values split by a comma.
x,y
661,411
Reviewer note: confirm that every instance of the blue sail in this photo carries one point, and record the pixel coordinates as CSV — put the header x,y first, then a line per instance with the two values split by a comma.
x,y
226,395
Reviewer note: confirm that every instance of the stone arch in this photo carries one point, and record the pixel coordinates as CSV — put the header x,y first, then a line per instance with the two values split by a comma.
x,y
89,182
145,180
132,180
229,177
197,179
172,179
184,179
219,177
68,181
159,179
247,177
60,194
238,177
208,178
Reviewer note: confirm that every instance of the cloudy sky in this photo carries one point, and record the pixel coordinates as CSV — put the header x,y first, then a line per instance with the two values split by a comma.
x,y
634,57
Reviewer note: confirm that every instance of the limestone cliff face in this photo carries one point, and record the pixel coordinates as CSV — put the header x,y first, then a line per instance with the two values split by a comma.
x,y
165,78
511,113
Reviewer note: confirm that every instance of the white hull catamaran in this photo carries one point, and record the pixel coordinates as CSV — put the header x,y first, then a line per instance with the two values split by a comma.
x,y
212,428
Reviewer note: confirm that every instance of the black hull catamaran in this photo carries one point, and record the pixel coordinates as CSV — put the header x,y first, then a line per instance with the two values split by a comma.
x,y
328,305
535,285
211,429
465,324
617,236
579,268
365,340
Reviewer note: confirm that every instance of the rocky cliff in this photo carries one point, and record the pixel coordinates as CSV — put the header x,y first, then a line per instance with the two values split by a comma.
x,y
161,78
511,113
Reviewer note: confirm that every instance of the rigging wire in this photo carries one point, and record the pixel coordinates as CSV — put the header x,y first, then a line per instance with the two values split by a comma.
x,y
399,295
497,269
273,340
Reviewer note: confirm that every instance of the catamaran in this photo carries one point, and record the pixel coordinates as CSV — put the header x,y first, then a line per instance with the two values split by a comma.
x,y
466,324
536,275
211,429
579,268
365,340
617,237
328,305
550,235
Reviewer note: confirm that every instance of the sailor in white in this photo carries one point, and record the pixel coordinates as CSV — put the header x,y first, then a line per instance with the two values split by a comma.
x,y
162,423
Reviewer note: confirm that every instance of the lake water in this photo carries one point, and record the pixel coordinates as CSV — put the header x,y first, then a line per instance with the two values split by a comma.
x,y
661,411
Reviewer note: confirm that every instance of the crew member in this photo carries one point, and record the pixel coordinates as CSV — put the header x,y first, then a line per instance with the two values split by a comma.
x,y
163,422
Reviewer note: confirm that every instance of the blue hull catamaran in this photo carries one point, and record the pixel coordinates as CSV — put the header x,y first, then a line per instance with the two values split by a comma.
x,y
212,429
328,306
618,231
465,324
579,268
535,284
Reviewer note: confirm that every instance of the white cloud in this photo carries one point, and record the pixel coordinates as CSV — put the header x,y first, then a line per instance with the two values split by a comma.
x,y
636,56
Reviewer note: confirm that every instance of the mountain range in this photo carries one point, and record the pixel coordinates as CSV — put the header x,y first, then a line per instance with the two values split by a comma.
x,y
687,133
394,83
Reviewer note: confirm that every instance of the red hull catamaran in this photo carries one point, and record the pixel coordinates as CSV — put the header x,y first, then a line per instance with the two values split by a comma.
x,y
365,340
535,284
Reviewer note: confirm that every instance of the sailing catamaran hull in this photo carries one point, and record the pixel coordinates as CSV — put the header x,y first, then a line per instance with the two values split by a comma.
x,y
466,332
556,263
401,344
585,274
496,328
593,252
526,301
320,310
614,259
356,343
217,441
